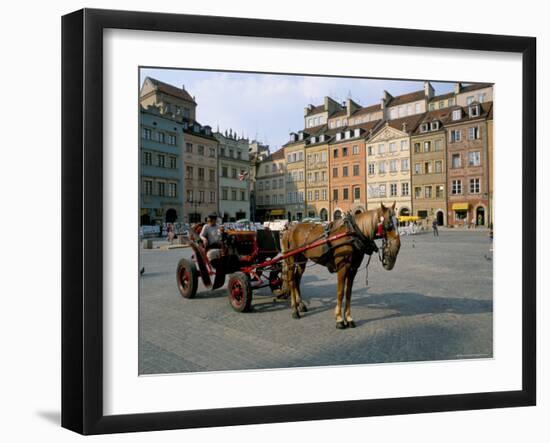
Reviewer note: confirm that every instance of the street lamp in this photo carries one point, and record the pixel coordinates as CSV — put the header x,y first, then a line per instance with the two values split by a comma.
x,y
195,203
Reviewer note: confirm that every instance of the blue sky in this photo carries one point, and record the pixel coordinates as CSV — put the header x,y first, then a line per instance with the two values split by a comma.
x,y
269,106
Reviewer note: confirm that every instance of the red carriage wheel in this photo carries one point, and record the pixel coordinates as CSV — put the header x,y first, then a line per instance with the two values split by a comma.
x,y
187,278
239,292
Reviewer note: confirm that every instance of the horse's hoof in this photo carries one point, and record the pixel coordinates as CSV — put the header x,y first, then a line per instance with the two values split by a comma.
x,y
295,314
302,307
351,324
340,325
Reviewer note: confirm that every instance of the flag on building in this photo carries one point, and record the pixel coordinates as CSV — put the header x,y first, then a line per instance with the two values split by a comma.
x,y
243,175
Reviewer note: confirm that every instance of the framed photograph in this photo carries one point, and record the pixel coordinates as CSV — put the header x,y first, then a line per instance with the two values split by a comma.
x,y
269,221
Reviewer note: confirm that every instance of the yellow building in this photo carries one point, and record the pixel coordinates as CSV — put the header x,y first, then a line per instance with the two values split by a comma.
x,y
389,165
295,176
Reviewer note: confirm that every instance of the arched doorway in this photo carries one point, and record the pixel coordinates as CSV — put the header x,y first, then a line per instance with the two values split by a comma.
x,y
171,215
480,216
323,214
337,214
440,220
405,212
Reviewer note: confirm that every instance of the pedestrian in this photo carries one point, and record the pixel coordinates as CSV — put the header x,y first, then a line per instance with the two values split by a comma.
x,y
170,232
434,226
473,224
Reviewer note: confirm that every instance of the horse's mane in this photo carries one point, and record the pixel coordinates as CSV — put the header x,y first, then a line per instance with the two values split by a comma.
x,y
367,221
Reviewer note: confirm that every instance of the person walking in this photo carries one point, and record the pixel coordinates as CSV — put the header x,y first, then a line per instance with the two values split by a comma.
x,y
434,226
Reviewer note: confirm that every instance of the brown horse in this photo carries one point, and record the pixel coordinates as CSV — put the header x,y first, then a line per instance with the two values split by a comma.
x,y
343,256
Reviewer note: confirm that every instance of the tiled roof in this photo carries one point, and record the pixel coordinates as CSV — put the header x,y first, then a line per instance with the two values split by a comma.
x,y
407,98
278,155
172,90
316,110
442,97
411,121
486,110
475,87
366,110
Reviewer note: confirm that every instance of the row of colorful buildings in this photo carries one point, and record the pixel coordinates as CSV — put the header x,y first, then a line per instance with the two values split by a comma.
x,y
431,154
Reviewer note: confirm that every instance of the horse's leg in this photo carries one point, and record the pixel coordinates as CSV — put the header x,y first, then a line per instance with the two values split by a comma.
x,y
342,274
349,285
291,281
300,268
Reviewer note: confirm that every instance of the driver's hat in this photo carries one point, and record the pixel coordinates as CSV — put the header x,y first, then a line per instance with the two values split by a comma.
x,y
213,216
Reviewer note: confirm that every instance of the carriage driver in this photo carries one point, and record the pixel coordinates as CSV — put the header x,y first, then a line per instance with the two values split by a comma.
x,y
211,238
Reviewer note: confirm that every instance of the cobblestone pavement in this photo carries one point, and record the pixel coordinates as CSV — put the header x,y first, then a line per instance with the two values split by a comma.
x,y
436,304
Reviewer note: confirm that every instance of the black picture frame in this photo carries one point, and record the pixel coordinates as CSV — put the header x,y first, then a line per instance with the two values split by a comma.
x,y
82,230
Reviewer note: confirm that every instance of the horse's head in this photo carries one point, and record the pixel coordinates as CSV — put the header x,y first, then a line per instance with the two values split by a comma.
x,y
390,236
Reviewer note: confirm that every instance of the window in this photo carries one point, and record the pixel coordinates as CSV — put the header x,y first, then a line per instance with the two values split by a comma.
x,y
301,175
428,192
393,113
147,158
381,167
439,191
473,133
393,189
212,175
316,195
161,188
160,160
474,158
427,146
456,161
335,153
417,108
417,192
171,139
324,194
356,193
405,164
190,195
345,171
474,186
481,98
148,184
171,189
427,167
274,199
438,166
457,114
224,171
381,148
274,184
355,169
424,126
346,193
417,168
401,111
355,149
323,156
146,133
432,106
405,189
161,137
456,187
438,145
344,152
234,196
382,190
260,198
371,168
455,135
441,104
335,194
404,145
266,184
189,148
189,172
393,165
469,100
233,172
200,150
451,102
280,183
201,174
211,152
201,197
212,196
370,150
416,148
393,147
310,195
474,111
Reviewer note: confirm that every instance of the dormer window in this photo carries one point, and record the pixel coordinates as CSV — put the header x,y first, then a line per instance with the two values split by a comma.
x,y
196,128
338,136
348,134
434,126
293,136
356,132
300,136
474,111
457,114
322,138
424,127
313,140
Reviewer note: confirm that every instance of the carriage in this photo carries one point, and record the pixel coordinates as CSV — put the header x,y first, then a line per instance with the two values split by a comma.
x,y
249,260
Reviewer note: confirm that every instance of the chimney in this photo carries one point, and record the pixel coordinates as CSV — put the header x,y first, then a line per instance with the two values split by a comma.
x,y
307,109
428,90
404,126
351,107
458,87
385,99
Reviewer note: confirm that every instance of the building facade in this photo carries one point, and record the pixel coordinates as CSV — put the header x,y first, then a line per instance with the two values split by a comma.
x,y
389,165
295,176
233,176
467,165
271,187
161,188
317,174
429,168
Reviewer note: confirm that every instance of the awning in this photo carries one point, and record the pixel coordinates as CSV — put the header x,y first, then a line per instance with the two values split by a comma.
x,y
407,218
460,206
277,212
